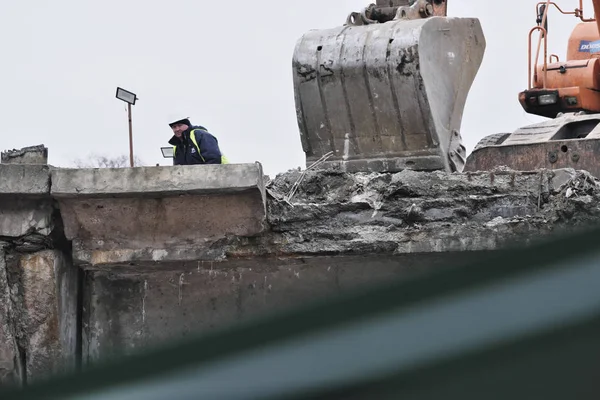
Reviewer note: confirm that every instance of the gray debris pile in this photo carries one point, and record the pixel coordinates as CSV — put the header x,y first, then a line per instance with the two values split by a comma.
x,y
576,202
426,211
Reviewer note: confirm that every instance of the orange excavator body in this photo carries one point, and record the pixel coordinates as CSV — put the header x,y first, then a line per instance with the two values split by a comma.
x,y
572,85
567,92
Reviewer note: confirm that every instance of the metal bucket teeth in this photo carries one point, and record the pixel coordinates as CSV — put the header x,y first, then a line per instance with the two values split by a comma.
x,y
386,97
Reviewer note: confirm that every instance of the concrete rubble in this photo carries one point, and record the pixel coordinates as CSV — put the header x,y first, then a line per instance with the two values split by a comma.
x,y
421,212
94,263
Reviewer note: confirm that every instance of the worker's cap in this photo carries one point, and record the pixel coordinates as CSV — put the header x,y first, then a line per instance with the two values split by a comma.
x,y
182,120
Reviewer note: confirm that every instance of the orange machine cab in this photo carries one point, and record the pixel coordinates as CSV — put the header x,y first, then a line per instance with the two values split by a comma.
x,y
571,85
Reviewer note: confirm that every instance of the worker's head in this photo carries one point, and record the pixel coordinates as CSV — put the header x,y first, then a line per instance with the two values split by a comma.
x,y
179,126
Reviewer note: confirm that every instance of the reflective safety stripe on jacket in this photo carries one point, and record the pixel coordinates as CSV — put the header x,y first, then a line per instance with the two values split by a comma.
x,y
193,137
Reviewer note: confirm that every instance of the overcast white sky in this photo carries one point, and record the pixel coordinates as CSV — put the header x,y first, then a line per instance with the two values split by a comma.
x,y
226,64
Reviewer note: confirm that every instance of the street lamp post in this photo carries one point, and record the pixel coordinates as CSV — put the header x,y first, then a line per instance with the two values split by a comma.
x,y
130,99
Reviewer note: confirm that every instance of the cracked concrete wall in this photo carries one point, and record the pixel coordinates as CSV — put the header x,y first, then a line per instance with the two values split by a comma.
x,y
125,311
158,214
11,368
303,237
158,227
27,223
39,329
38,283
43,288
337,232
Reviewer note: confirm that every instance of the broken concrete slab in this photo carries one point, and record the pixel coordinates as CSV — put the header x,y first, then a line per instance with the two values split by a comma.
x,y
26,208
31,181
157,181
160,213
20,218
562,177
27,155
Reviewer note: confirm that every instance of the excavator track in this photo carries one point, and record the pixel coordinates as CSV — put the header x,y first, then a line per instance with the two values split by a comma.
x,y
568,141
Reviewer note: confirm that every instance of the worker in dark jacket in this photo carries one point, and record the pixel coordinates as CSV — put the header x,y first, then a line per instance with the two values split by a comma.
x,y
193,144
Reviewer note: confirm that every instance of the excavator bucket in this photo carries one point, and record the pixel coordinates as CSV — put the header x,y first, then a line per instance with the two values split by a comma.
x,y
386,91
